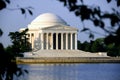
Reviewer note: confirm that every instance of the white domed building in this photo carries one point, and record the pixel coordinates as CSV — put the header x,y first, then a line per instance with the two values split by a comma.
x,y
51,36
50,32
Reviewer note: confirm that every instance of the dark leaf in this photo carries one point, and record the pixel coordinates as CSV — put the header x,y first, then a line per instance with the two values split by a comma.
x,y
114,19
106,15
108,1
77,13
81,1
20,73
64,1
113,23
72,3
96,22
118,3
1,32
2,4
26,71
8,1
30,12
91,36
109,39
26,29
118,31
85,12
97,11
84,29
102,25
73,8
113,9
22,10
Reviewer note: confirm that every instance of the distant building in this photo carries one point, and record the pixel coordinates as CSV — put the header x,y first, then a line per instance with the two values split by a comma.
x,y
49,32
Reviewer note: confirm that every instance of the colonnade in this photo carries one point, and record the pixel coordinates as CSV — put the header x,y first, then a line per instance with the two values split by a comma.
x,y
56,41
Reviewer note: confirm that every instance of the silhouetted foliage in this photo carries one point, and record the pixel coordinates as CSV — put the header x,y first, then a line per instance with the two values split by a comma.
x,y
8,66
2,4
24,10
98,18
20,42
1,32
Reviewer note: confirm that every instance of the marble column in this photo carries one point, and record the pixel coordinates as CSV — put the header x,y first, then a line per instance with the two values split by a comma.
x,y
39,42
75,41
56,41
52,41
42,41
47,40
71,37
61,41
66,41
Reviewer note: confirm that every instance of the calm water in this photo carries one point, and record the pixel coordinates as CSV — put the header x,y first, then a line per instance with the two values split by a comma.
x,y
71,72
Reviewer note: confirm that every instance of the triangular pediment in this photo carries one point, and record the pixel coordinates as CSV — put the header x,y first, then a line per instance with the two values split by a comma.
x,y
59,27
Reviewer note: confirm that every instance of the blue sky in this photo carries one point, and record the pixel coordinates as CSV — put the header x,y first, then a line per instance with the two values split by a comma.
x,y
13,20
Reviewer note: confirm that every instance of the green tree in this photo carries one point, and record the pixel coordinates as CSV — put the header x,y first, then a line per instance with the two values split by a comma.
x,y
8,66
79,45
85,46
112,50
98,45
20,42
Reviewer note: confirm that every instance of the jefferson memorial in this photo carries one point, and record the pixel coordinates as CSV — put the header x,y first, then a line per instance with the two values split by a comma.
x,y
51,36
50,32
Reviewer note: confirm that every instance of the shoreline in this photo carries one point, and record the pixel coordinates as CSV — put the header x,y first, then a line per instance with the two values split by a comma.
x,y
40,60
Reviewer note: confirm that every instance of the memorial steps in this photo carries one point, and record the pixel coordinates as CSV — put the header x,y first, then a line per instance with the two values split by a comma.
x,y
61,53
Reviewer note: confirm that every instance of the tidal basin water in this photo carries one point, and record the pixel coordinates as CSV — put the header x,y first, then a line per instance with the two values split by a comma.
x,y
71,72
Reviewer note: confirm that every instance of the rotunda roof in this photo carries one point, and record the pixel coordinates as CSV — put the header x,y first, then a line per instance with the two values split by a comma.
x,y
47,20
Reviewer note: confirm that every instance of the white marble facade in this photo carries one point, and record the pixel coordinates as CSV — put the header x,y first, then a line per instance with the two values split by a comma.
x,y
49,32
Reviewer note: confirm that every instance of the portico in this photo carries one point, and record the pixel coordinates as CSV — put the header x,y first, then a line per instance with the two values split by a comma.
x,y
58,41
50,32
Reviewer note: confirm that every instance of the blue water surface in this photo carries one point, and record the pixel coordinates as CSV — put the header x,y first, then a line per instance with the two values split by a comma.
x,y
71,72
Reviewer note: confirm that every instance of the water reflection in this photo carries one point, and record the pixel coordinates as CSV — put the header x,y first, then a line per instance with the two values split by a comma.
x,y
71,72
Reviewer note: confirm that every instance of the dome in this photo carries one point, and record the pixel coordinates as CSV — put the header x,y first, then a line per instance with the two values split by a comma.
x,y
46,20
